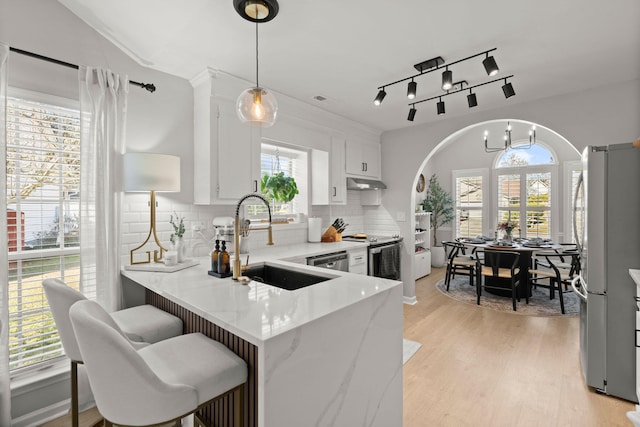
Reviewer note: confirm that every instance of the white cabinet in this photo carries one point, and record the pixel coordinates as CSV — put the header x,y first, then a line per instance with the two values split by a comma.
x,y
338,188
328,180
226,152
358,262
422,264
363,158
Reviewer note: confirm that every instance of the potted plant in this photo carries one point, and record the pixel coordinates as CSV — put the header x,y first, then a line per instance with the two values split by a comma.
x,y
440,204
278,188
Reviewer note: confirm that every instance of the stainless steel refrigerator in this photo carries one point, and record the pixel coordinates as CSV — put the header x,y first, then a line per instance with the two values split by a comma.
x,y
607,230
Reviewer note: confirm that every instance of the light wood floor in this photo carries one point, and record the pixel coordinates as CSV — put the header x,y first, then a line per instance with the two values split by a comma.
x,y
479,367
482,367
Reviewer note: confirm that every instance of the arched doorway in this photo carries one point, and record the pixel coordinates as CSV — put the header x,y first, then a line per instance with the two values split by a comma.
x,y
463,152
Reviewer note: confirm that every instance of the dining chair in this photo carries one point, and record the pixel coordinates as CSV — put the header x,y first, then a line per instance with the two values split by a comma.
x,y
142,324
568,261
160,383
458,262
498,267
555,268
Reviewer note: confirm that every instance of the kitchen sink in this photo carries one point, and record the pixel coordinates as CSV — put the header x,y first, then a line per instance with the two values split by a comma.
x,y
282,277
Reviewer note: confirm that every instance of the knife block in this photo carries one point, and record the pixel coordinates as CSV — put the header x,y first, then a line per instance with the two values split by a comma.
x,y
331,235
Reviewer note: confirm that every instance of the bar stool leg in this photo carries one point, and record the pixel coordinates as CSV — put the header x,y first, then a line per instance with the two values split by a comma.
x,y
74,394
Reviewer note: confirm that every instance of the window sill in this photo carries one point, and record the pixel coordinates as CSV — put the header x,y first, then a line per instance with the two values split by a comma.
x,y
29,380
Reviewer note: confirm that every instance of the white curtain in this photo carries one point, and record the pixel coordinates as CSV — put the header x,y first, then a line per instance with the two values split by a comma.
x,y
5,393
103,104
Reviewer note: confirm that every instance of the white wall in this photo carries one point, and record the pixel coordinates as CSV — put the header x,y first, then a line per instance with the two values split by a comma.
x,y
595,117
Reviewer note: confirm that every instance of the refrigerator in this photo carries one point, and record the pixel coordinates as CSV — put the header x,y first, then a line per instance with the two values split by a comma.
x,y
606,222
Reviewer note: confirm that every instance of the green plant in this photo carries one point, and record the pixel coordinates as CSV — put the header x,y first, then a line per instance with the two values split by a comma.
x,y
278,187
178,226
439,203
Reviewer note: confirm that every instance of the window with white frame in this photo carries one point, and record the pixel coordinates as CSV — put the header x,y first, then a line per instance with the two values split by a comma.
x,y
469,198
43,177
572,171
287,162
524,181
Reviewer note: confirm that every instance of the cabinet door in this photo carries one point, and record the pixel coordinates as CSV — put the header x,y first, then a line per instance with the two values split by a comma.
x,y
354,161
338,187
371,160
238,167
363,159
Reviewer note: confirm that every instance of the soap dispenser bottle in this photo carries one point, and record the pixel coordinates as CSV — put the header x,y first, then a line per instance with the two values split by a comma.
x,y
224,265
214,257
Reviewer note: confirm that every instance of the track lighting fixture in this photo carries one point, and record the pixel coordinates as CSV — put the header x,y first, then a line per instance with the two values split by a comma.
x,y
472,100
447,79
379,97
448,84
412,114
257,106
490,65
507,88
508,145
440,106
411,89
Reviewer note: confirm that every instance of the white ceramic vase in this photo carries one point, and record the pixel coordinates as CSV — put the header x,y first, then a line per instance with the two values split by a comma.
x,y
437,256
178,247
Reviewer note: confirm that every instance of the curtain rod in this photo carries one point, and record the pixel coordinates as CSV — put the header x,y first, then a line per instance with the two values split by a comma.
x,y
148,86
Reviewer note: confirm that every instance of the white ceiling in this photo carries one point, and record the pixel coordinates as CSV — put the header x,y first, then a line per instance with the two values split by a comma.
x,y
345,49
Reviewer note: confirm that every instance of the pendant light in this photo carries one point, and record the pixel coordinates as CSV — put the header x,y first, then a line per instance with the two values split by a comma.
x,y
256,106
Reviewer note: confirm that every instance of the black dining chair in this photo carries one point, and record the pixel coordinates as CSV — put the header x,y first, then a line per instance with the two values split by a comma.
x,y
557,271
501,272
458,262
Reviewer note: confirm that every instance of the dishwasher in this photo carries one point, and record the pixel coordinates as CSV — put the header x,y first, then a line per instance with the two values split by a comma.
x,y
333,261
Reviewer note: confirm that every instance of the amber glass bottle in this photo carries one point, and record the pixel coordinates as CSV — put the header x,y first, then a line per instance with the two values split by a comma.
x,y
224,265
214,257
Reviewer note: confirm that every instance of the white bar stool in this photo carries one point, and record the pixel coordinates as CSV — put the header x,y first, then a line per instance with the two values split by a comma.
x,y
143,324
159,383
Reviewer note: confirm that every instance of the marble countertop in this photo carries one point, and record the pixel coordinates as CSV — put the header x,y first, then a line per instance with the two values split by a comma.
x,y
255,311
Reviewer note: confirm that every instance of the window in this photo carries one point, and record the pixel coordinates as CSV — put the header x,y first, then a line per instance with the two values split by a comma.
x,y
469,202
524,190
292,163
43,177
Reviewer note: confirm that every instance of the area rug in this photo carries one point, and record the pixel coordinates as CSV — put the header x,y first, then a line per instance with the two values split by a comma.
x,y
539,302
409,348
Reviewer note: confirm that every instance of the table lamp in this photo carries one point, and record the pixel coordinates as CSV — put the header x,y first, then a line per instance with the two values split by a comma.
x,y
151,172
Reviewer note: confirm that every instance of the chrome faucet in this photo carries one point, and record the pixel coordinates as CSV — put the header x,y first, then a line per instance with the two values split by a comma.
x,y
237,264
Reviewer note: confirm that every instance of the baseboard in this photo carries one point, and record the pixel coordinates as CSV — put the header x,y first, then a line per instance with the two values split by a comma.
x,y
42,415
410,300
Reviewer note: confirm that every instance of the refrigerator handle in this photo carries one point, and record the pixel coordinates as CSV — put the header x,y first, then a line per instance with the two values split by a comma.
x,y
576,290
576,236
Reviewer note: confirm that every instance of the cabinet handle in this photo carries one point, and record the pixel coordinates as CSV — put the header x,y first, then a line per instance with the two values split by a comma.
x,y
335,191
366,167
363,167
255,185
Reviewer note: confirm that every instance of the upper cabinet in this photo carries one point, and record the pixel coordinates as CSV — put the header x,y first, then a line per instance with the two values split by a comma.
x,y
328,179
363,158
226,152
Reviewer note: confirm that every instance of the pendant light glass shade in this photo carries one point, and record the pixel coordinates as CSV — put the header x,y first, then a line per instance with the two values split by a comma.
x,y
447,80
440,107
490,66
257,107
508,90
411,89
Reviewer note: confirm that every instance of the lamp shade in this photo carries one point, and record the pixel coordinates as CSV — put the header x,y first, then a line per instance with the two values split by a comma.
x,y
151,172
257,107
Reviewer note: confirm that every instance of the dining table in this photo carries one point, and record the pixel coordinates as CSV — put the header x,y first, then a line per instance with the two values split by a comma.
x,y
526,249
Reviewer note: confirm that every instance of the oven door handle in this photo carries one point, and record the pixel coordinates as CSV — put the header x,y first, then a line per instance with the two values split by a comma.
x,y
375,250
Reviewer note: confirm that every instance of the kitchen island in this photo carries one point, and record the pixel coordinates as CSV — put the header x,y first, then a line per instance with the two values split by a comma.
x,y
329,354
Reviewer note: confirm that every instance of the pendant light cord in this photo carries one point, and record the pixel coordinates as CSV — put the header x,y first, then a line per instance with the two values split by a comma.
x,y
257,81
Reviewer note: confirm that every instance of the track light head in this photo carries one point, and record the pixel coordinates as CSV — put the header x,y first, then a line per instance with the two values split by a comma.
x,y
447,79
379,97
412,114
440,106
411,89
507,88
490,65
472,100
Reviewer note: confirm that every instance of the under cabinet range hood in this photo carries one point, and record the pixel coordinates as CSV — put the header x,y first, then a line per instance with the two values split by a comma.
x,y
364,184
